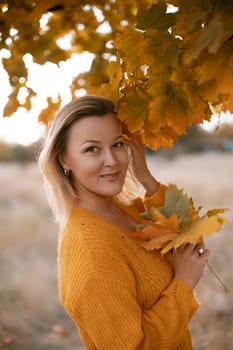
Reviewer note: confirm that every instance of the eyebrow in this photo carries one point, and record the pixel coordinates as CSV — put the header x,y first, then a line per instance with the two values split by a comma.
x,y
96,141
91,141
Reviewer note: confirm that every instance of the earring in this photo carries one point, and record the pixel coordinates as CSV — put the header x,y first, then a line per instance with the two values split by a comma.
x,y
67,172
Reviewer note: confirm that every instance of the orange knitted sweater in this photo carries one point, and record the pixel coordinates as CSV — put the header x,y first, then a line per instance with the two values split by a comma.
x,y
120,296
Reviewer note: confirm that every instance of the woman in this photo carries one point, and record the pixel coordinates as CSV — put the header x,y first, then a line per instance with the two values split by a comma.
x,y
119,295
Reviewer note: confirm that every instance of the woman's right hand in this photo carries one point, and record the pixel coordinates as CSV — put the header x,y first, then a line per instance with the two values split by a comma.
x,y
189,264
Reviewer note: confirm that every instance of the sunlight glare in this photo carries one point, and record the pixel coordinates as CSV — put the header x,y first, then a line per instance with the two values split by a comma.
x,y
216,120
49,80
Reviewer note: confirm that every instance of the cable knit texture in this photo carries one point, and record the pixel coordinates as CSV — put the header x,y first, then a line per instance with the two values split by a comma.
x,y
120,296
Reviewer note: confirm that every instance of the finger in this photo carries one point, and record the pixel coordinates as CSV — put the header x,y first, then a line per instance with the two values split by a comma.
x,y
189,247
183,247
199,245
201,258
136,142
200,248
204,255
194,248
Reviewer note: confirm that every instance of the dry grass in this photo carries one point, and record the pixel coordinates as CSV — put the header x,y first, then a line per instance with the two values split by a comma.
x,y
208,179
31,316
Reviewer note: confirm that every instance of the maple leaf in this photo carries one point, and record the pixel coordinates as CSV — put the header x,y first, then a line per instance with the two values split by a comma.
x,y
134,55
133,110
47,114
177,202
204,226
210,36
163,138
153,234
155,17
111,90
212,212
170,99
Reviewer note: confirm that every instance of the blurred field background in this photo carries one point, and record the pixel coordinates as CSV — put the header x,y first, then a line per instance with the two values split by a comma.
x,y
31,317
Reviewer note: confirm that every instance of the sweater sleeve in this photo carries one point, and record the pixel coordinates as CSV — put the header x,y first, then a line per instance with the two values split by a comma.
x,y
108,311
156,200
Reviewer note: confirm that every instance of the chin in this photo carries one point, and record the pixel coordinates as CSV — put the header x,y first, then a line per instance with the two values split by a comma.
x,y
111,192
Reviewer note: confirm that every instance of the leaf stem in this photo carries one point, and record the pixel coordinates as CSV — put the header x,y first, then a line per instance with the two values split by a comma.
x,y
211,270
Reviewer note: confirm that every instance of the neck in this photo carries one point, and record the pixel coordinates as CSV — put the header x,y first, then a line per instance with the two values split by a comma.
x,y
97,204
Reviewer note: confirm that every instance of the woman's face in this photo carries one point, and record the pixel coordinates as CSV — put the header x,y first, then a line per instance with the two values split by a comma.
x,y
96,155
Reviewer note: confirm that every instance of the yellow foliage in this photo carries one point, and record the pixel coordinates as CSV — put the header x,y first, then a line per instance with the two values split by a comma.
x,y
163,70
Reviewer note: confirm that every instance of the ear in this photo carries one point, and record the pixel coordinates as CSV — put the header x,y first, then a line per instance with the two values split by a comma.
x,y
62,161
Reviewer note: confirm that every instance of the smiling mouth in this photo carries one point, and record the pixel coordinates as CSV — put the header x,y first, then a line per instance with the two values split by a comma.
x,y
110,176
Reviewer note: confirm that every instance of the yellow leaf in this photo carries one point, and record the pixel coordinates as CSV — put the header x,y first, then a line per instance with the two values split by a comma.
x,y
164,137
12,104
171,105
204,226
111,90
48,113
190,14
212,212
133,109
131,45
213,75
155,17
158,242
210,36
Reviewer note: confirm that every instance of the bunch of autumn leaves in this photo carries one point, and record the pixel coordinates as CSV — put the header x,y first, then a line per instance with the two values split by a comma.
x,y
177,222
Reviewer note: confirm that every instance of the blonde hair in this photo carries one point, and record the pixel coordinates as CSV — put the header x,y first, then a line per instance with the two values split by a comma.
x,y
60,190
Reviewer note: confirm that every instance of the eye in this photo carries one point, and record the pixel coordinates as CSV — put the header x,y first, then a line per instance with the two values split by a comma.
x,y
92,149
119,144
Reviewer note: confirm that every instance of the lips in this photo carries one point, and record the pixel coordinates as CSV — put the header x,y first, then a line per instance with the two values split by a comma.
x,y
110,176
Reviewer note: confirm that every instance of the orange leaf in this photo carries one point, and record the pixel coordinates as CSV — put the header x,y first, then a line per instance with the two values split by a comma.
x,y
155,234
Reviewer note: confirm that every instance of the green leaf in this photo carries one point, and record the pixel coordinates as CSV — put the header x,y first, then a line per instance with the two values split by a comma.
x,y
176,202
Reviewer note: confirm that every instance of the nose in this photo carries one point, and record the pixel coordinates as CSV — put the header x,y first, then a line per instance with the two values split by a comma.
x,y
110,158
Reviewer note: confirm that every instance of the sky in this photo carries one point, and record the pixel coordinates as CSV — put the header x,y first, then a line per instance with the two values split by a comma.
x,y
22,127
